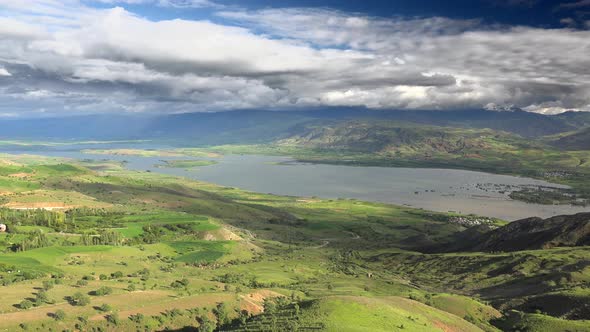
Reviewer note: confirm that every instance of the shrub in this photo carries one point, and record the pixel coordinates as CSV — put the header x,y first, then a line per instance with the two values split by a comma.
x,y
79,299
105,307
59,315
48,284
180,283
102,291
137,318
206,325
41,297
25,304
113,319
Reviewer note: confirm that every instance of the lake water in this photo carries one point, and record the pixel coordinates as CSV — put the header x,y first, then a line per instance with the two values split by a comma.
x,y
432,189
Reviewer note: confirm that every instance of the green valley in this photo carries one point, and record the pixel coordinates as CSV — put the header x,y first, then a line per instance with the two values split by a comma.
x,y
85,239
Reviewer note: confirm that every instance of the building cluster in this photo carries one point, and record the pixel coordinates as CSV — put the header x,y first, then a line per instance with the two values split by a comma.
x,y
471,221
557,174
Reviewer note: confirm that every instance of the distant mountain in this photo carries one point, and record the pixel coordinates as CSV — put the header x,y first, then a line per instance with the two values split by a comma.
x,y
530,233
259,126
574,119
402,139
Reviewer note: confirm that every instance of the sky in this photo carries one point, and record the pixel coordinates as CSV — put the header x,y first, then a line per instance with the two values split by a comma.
x,y
73,57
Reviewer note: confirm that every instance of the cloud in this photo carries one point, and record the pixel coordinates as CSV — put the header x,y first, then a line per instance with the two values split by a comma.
x,y
112,60
575,5
514,3
4,72
167,3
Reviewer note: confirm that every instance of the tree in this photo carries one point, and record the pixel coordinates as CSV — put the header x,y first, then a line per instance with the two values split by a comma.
x,y
243,317
221,313
137,318
105,307
59,315
113,319
25,304
41,297
270,306
47,285
79,299
206,325
102,291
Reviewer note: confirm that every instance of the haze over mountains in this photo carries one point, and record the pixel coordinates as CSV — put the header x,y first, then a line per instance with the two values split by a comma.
x,y
258,126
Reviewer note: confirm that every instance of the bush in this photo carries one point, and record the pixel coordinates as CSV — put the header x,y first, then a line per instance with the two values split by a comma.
x,y
41,298
59,315
102,291
180,283
137,318
105,307
48,284
79,299
25,304
206,325
113,319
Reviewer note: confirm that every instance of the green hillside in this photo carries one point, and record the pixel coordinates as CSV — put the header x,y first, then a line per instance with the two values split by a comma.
x,y
198,255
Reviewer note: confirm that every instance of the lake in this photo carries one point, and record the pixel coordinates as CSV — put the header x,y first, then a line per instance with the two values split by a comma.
x,y
440,190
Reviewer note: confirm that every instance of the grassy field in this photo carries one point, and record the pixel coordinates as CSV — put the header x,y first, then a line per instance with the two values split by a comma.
x,y
84,239
187,163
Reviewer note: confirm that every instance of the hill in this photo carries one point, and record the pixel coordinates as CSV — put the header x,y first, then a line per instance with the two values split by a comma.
x,y
533,233
390,137
356,313
579,140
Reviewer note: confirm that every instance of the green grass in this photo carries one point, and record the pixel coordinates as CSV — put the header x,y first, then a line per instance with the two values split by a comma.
x,y
134,224
186,163
355,313
355,263
196,252
538,322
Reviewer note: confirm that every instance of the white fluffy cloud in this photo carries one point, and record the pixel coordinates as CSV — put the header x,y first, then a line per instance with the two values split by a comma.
x,y
166,3
63,56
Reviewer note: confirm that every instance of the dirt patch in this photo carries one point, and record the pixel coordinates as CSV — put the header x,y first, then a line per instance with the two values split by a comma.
x,y
38,205
253,302
20,175
307,201
262,294
223,234
12,318
444,326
